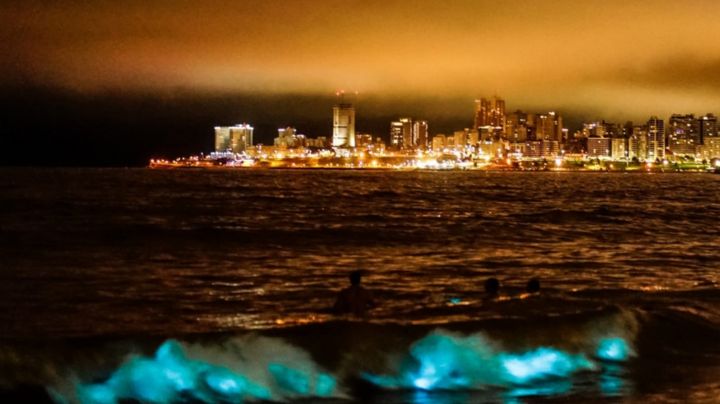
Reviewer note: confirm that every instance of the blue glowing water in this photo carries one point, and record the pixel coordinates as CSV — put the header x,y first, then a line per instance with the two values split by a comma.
x,y
450,361
614,349
441,360
170,376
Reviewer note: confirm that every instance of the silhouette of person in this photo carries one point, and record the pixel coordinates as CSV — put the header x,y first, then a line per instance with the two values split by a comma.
x,y
354,299
492,287
533,286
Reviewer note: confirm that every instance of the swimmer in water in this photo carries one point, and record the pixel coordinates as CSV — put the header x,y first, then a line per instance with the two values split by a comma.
x,y
492,288
533,286
354,299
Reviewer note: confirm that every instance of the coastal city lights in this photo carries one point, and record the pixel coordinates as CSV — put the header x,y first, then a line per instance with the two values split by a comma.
x,y
498,140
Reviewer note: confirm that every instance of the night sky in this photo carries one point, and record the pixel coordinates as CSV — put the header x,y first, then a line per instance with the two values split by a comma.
x,y
114,83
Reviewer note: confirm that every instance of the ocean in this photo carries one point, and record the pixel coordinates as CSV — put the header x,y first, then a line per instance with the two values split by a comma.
x,y
140,285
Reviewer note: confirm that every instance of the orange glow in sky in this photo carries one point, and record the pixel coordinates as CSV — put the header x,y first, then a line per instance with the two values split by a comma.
x,y
616,57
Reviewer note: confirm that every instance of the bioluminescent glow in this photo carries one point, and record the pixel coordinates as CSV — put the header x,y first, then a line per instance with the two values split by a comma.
x,y
613,380
447,361
541,363
170,376
262,369
614,349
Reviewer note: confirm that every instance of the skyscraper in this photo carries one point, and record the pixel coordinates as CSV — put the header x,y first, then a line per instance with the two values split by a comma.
x,y
490,112
343,125
236,138
683,135
709,136
708,127
406,133
656,138
396,134
420,134
516,126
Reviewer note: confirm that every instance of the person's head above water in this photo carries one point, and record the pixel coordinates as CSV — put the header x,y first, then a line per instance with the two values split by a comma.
x,y
533,285
355,277
492,286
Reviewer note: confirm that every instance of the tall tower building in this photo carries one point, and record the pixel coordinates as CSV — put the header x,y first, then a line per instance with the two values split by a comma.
x,y
709,136
516,126
236,138
396,134
222,138
708,127
656,138
490,112
343,125
420,133
683,135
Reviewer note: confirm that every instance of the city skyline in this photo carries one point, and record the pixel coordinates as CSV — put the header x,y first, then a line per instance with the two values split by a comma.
x,y
156,76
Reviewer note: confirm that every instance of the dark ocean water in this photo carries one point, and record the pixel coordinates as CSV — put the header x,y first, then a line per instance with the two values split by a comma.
x,y
99,266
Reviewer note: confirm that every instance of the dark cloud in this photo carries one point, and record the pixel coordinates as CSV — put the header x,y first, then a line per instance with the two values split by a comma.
x,y
592,59
681,72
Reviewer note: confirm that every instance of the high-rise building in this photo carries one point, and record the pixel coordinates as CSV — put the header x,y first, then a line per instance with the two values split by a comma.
x,y
516,124
438,142
618,148
708,127
363,140
408,138
599,147
656,138
637,143
709,137
460,137
420,134
549,127
406,133
236,138
343,125
222,138
396,134
490,112
683,135
286,137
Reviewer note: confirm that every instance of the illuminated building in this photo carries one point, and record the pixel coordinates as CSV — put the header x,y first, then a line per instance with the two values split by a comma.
x,y
396,134
618,148
460,138
708,127
683,135
599,147
407,133
637,143
363,140
490,112
550,148
401,133
236,138
450,141
549,127
438,142
286,138
656,139
473,137
516,124
533,149
711,148
420,134
343,125
222,138
709,137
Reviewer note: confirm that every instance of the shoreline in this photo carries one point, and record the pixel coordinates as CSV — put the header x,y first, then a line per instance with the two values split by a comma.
x,y
662,170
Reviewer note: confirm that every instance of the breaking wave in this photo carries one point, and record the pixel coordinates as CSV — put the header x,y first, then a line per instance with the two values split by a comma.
x,y
311,363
